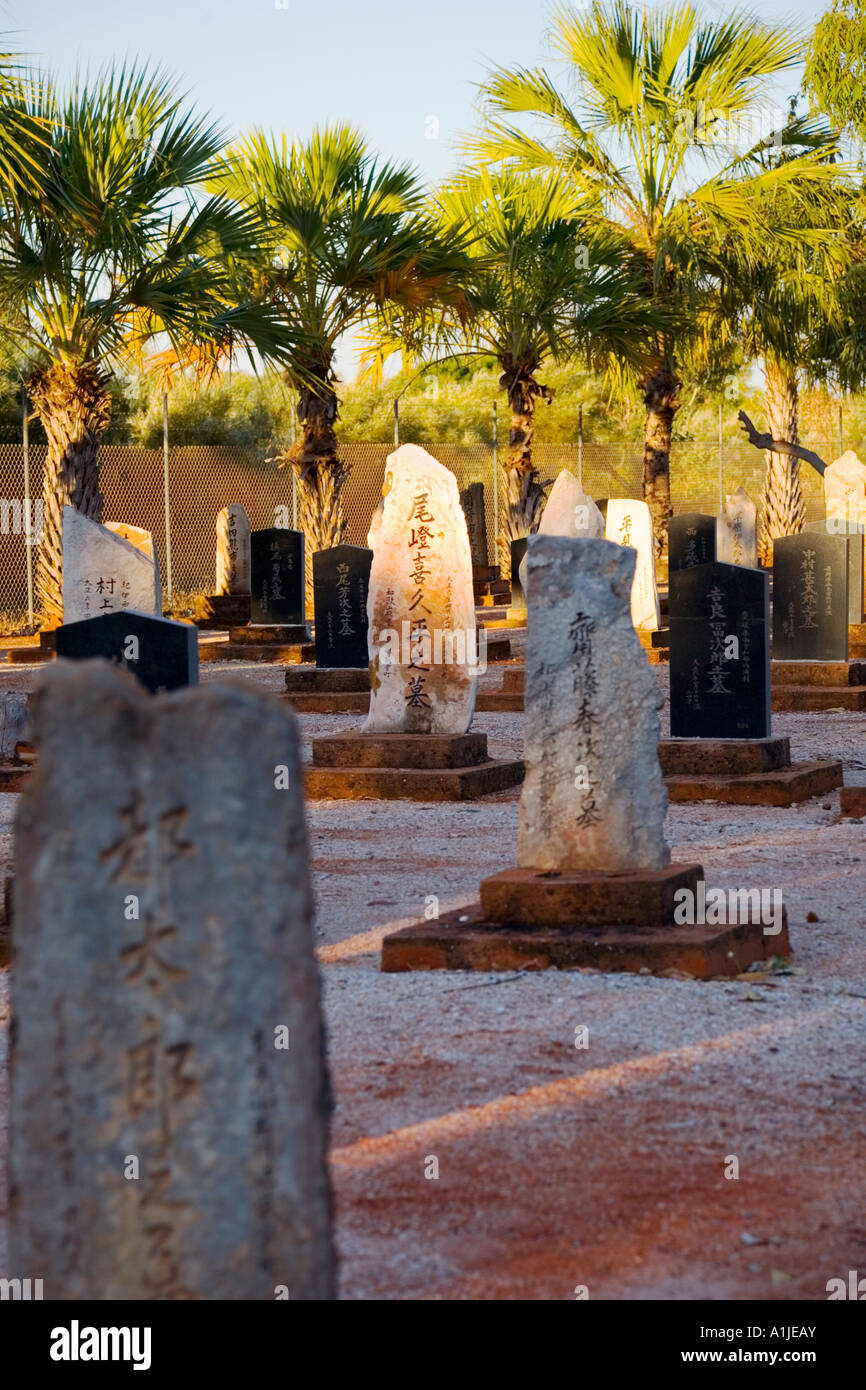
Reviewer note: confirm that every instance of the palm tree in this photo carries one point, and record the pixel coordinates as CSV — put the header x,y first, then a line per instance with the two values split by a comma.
x,y
655,91
545,282
351,249
106,250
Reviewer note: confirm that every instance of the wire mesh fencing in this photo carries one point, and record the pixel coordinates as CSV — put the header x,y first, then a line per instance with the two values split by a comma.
x,y
204,478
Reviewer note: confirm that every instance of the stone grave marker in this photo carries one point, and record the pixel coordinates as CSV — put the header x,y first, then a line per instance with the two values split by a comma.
x,y
853,530
472,502
810,598
160,653
233,551
518,553
845,489
170,1099
277,576
691,540
341,581
421,606
593,796
629,523
107,567
569,512
737,531
720,652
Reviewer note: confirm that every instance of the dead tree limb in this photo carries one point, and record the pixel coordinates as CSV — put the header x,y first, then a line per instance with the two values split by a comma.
x,y
780,446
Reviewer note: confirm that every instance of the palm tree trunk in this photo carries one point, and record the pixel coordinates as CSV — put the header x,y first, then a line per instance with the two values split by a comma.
x,y
321,474
524,495
660,390
73,405
784,510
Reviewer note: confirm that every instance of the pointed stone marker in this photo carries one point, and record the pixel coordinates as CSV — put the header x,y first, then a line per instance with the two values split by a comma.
x,y
233,551
421,607
107,567
629,522
169,1090
845,489
593,797
569,512
737,531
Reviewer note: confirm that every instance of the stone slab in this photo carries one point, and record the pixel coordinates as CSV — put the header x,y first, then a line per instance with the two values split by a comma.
x,y
28,656
259,634
323,702
341,580
524,897
805,699
723,756
818,672
233,551
852,801
217,612
327,679
498,702
107,567
400,750
411,784
785,787
160,653
462,940
810,597
298,654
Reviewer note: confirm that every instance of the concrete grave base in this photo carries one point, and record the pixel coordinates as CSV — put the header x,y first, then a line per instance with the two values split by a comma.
x,y
293,654
264,634
407,767
742,772
222,611
529,921
852,801
817,685
328,690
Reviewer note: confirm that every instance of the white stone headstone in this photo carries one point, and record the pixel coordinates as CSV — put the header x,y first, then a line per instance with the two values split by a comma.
x,y
594,797
737,531
233,551
569,512
107,567
845,489
420,605
630,523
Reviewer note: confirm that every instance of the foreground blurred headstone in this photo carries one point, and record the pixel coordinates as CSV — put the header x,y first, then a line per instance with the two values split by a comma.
x,y
169,1090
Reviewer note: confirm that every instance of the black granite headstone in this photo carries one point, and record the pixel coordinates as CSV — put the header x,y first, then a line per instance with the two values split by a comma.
x,y
810,598
518,550
163,654
720,652
691,540
277,576
837,526
341,578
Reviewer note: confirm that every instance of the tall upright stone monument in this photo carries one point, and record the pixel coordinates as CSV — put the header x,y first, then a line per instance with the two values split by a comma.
x,y
810,598
107,567
233,551
737,531
845,489
629,522
170,1097
569,512
593,885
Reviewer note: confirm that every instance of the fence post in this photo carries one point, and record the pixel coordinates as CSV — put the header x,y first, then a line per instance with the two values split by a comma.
x,y
841,437
294,478
721,466
167,510
396,422
580,445
495,486
28,530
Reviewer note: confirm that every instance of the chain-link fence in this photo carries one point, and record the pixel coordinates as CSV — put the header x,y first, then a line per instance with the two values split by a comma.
x,y
202,479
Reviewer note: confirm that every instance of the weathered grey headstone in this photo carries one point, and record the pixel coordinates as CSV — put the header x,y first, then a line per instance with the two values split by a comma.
x,y
233,551
14,722
845,489
472,502
107,567
737,531
569,512
629,522
170,1098
421,606
594,797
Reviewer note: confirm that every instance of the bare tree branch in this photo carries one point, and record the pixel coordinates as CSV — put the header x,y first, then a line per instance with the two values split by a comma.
x,y
780,446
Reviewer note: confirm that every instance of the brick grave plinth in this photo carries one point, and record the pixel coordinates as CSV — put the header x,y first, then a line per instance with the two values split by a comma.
x,y
742,772
28,653
817,685
507,700
221,611
328,690
656,644
852,802
571,921
407,767
280,643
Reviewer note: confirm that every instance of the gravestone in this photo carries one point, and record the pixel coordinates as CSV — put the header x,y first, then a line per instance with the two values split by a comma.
x,y
107,567
421,606
472,502
518,552
853,530
170,1102
691,540
845,489
341,581
569,512
233,551
160,653
737,531
810,598
593,797
277,576
629,522
720,652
